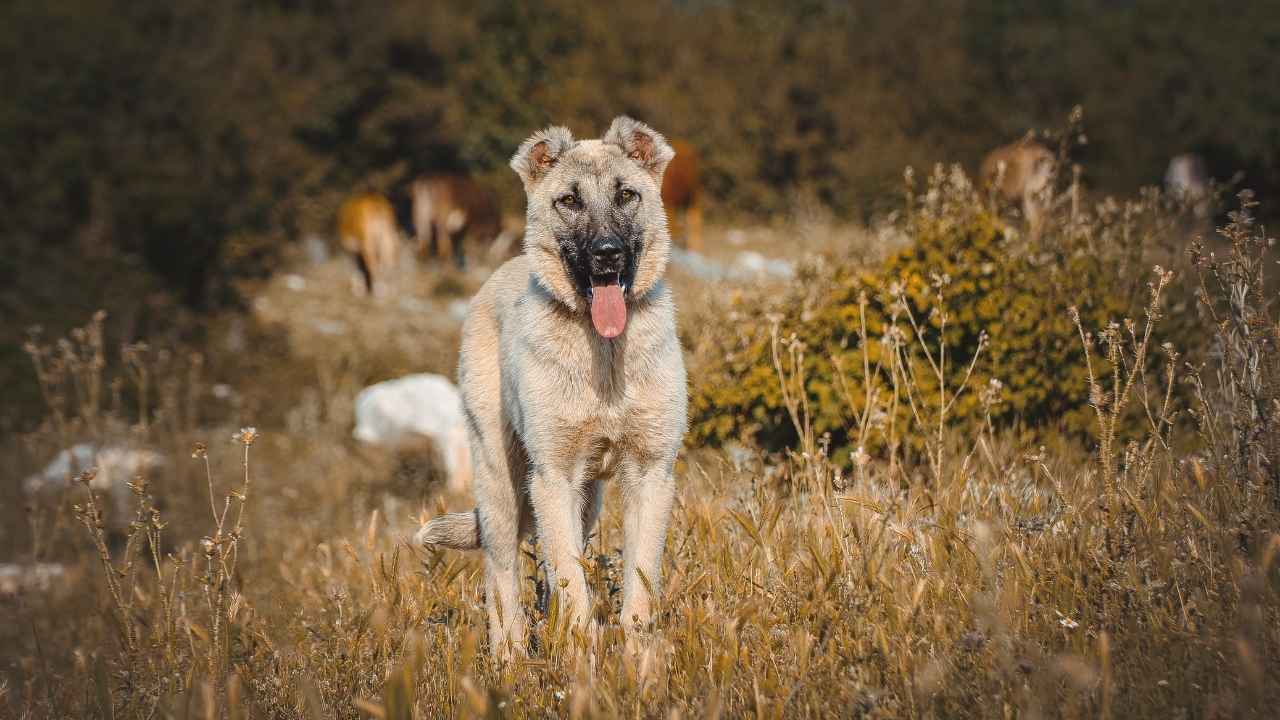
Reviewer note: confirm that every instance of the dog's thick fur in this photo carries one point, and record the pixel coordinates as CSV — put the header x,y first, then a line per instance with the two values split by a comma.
x,y
367,230
553,408
1022,173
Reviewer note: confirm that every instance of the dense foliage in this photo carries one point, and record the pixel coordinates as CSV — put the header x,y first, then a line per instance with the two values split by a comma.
x,y
153,153
204,137
968,299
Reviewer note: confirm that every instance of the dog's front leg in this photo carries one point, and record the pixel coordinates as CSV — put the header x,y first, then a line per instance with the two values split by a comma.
x,y
648,492
558,509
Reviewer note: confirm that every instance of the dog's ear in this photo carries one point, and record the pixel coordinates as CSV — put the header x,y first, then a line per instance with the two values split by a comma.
x,y
539,154
642,144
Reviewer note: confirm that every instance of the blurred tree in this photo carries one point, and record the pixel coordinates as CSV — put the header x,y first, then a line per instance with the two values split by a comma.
x,y
203,137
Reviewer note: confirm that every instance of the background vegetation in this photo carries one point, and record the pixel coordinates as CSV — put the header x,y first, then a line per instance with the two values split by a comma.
x,y
999,299
202,138
900,550
944,470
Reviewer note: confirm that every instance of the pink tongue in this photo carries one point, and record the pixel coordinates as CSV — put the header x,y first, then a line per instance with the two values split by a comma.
x,y
608,310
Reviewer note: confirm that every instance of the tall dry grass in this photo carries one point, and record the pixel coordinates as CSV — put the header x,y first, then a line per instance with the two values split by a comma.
x,y
977,578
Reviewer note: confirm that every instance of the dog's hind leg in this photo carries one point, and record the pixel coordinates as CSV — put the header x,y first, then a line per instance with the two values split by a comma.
x,y
502,584
503,518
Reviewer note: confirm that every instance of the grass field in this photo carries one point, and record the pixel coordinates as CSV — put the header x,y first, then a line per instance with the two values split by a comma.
x,y
263,569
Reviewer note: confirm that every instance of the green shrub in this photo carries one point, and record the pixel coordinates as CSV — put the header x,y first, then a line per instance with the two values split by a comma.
x,y
968,283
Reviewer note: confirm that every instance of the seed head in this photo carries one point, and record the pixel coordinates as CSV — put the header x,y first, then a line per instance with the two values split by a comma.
x,y
246,435
860,457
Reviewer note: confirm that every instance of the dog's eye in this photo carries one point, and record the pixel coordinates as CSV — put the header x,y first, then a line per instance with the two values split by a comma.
x,y
569,201
627,195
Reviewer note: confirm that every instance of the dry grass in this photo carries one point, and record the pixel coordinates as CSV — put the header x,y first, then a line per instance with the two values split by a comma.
x,y
266,574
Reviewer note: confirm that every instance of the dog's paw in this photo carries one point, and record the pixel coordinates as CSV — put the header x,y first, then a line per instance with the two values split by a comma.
x,y
644,649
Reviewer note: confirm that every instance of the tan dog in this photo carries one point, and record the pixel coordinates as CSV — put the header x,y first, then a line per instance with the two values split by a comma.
x,y
367,230
571,373
1022,173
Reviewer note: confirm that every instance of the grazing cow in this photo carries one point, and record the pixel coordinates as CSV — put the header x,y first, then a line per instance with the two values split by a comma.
x,y
1022,173
367,229
1187,180
448,209
682,196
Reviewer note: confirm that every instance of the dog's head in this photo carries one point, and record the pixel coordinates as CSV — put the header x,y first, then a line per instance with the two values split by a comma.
x,y
596,234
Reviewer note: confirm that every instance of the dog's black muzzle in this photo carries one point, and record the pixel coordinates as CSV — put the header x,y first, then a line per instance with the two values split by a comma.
x,y
607,256
610,261
606,259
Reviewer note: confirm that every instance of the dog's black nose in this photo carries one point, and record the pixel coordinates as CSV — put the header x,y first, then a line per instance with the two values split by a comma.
x,y
607,251
607,248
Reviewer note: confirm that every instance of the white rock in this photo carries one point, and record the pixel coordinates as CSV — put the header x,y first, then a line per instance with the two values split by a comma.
x,y
15,578
750,261
1187,175
328,327
424,405
1187,179
697,264
116,466
414,304
751,264
780,268
295,282
747,265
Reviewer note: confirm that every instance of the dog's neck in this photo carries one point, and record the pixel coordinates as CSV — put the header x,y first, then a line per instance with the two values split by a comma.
x,y
655,299
547,271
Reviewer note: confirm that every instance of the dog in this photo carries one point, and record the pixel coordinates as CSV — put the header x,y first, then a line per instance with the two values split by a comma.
x,y
367,230
1022,173
447,209
571,373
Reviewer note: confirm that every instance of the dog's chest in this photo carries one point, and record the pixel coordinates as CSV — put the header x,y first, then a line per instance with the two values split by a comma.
x,y
606,388
591,390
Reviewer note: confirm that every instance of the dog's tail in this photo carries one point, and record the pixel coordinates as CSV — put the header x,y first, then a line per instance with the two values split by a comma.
x,y
460,531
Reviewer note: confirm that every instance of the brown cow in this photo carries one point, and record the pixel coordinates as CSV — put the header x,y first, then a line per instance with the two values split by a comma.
x,y
682,194
448,209
367,230
1022,172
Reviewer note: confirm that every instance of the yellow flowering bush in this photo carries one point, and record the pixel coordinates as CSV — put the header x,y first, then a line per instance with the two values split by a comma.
x,y
969,324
